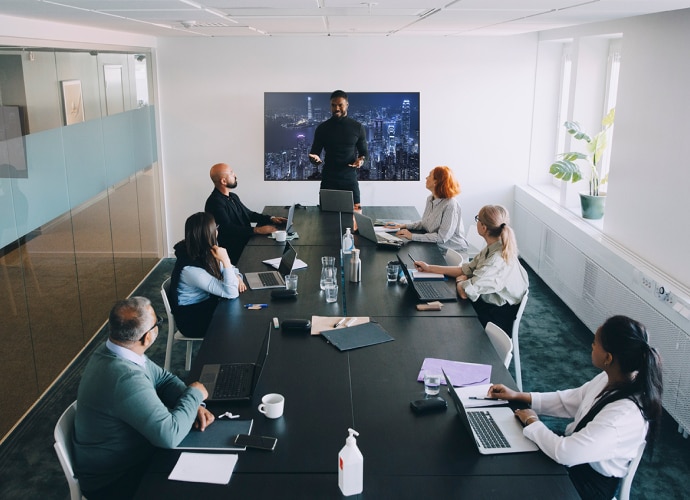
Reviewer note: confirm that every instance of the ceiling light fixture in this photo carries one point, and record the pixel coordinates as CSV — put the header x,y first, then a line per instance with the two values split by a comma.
x,y
192,4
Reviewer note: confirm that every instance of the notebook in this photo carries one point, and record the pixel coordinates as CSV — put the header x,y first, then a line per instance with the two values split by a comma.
x,y
365,226
219,436
428,291
235,381
273,279
334,200
357,336
495,430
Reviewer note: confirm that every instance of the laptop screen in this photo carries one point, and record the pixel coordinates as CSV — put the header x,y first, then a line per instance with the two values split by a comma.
x,y
291,215
287,261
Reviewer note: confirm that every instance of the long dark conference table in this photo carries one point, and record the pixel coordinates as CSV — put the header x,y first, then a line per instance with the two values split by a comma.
x,y
369,389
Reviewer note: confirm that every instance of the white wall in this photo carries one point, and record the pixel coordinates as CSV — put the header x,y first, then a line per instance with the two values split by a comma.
x,y
476,106
647,203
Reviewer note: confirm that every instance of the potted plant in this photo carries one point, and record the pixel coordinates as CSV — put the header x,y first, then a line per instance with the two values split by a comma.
x,y
566,167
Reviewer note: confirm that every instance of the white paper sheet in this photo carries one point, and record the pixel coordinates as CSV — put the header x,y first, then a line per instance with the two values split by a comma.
x,y
215,468
275,263
477,391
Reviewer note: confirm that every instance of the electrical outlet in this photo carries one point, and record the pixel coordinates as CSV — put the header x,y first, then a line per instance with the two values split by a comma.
x,y
649,284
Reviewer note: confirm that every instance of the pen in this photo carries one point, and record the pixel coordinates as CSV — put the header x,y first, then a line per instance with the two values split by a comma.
x,y
351,322
484,399
410,256
339,323
255,306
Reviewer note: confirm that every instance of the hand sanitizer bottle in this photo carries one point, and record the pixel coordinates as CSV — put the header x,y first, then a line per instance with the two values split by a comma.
x,y
348,241
351,466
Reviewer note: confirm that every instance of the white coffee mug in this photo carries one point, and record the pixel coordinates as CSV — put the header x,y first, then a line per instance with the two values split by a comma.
x,y
272,405
280,235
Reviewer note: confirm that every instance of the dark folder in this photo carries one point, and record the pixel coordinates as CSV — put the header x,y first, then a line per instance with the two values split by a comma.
x,y
220,435
354,337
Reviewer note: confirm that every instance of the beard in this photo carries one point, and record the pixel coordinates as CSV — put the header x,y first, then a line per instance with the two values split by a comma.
x,y
233,185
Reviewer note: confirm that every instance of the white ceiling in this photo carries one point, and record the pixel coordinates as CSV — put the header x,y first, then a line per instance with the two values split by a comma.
x,y
219,18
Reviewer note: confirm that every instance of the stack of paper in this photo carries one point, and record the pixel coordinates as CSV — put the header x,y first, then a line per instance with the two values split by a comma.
x,y
204,468
460,374
422,276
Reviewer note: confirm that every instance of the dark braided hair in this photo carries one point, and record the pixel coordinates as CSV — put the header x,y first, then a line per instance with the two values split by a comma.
x,y
628,342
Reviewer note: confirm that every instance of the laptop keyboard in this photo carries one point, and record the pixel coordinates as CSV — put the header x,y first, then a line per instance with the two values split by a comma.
x,y
388,238
486,429
233,380
427,290
269,279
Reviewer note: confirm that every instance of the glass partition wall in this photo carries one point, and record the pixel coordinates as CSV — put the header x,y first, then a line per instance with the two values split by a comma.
x,y
79,224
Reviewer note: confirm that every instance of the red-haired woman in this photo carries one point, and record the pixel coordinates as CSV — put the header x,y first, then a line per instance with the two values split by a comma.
x,y
442,221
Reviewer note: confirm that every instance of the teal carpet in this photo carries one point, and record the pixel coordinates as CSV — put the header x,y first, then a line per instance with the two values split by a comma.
x,y
555,349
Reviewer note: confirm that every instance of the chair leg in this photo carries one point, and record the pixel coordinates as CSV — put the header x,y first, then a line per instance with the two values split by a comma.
x,y
188,357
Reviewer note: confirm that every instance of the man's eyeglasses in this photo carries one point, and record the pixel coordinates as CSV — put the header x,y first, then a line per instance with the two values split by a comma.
x,y
159,322
476,218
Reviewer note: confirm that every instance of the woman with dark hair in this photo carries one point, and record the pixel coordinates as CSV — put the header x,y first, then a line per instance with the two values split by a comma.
x,y
494,280
613,413
442,219
202,274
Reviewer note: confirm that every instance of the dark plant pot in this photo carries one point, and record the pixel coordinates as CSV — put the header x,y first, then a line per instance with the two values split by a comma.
x,y
592,206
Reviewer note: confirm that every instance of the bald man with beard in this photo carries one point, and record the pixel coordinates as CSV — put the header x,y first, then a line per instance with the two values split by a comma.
x,y
234,219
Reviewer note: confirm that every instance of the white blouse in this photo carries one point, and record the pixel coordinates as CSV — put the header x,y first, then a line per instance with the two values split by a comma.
x,y
442,223
497,282
608,443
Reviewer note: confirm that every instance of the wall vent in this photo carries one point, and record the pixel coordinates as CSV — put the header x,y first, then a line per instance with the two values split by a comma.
x,y
594,287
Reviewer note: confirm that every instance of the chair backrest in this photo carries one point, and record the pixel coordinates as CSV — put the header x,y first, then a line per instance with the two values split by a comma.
x,y
501,342
516,340
64,430
518,316
626,483
165,287
453,257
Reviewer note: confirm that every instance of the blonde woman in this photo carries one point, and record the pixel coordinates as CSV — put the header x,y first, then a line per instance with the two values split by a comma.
x,y
494,280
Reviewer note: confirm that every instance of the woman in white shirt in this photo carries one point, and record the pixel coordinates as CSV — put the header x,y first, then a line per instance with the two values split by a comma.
x,y
613,413
494,280
202,274
442,219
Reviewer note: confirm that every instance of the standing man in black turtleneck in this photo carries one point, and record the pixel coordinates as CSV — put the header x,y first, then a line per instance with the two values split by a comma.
x,y
345,142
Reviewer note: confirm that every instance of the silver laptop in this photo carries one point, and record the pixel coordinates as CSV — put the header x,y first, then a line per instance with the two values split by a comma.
x,y
235,381
496,430
273,279
334,200
365,226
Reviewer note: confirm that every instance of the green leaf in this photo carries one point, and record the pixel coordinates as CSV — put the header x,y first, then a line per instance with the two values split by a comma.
x,y
565,170
575,129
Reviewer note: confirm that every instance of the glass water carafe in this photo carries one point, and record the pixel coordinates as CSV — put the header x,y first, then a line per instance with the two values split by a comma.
x,y
328,271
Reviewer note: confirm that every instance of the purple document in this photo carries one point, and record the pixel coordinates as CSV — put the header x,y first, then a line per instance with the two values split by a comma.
x,y
460,374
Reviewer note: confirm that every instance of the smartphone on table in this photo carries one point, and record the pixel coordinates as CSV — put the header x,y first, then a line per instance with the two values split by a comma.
x,y
258,442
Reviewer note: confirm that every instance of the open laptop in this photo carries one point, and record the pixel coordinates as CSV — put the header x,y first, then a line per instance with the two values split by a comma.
x,y
428,291
273,279
288,225
334,200
496,430
365,226
235,381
